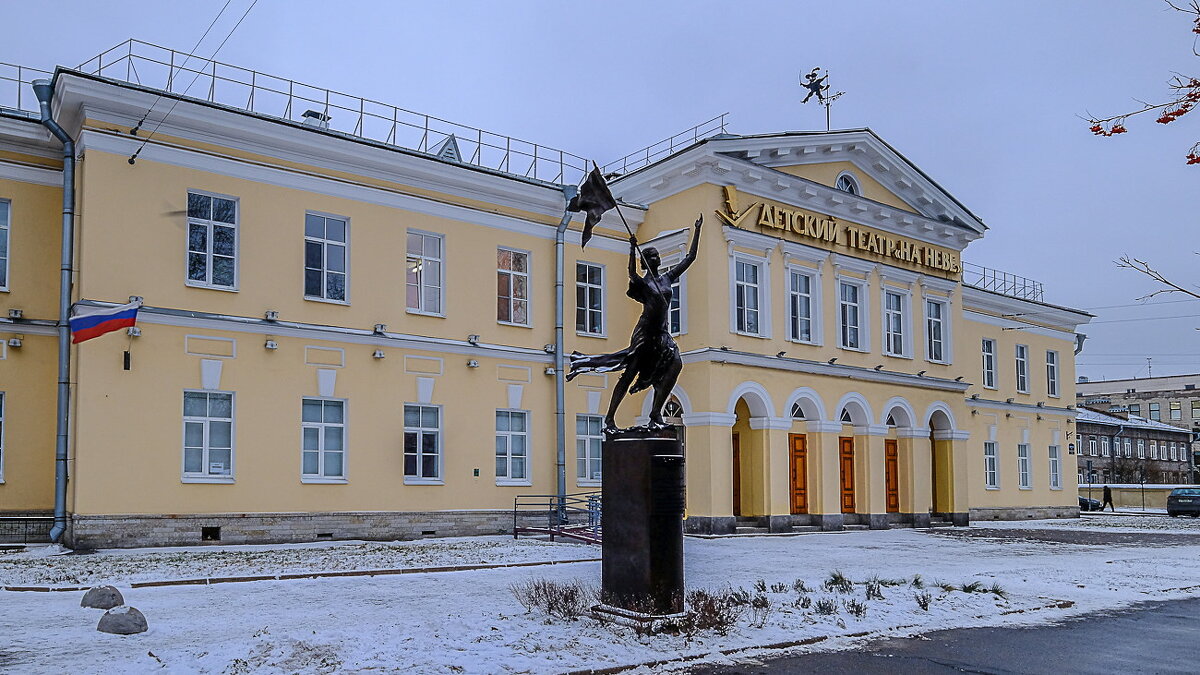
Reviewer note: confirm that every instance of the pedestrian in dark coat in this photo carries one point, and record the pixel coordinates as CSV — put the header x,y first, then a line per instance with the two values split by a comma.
x,y
1108,500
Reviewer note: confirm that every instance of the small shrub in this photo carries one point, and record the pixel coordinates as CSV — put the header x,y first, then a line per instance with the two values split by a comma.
x,y
923,599
838,582
779,587
563,600
971,587
800,587
874,589
997,591
713,610
893,582
949,588
803,602
760,609
856,609
739,597
917,581
760,586
827,606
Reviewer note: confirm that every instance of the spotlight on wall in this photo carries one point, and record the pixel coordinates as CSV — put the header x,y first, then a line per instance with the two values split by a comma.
x,y
271,315
472,363
133,331
550,370
831,361
271,344
15,343
958,379
879,367
780,355
15,314
1008,400
473,339
378,354
380,328
921,373
724,348
1039,418
548,348
1008,414
1041,404
974,397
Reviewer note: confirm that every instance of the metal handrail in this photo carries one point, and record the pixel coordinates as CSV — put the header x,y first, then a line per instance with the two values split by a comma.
x,y
1005,283
667,146
14,80
177,72
580,510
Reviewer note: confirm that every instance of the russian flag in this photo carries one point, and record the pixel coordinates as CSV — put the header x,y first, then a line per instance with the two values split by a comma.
x,y
94,322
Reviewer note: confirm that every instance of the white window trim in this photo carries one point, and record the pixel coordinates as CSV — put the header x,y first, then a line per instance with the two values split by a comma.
x,y
580,481
1141,448
1054,383
1054,460
325,259
1128,448
947,337
441,447
528,285
527,480
1092,446
815,304
6,232
237,243
1017,361
1154,449
1024,478
764,293
319,479
864,313
906,338
995,460
682,283
994,371
441,274
603,299
208,478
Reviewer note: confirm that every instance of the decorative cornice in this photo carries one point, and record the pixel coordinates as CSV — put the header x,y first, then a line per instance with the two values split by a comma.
x,y
736,236
30,173
1023,407
800,252
709,419
871,430
787,364
823,427
776,423
1010,324
914,432
1007,306
951,435
858,265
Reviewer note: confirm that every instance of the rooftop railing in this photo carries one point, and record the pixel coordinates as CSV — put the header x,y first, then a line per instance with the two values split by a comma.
x,y
1004,283
16,95
666,147
186,74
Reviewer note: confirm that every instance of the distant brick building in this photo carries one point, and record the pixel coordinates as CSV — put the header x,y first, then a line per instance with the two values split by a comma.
x,y
1115,449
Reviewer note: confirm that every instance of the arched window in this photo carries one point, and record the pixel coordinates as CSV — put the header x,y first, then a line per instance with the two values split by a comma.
x,y
847,183
846,416
797,411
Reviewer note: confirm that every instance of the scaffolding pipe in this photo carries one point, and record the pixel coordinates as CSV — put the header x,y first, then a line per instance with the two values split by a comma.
x,y
560,405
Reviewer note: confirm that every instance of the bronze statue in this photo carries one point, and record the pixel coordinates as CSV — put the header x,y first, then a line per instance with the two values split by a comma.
x,y
652,356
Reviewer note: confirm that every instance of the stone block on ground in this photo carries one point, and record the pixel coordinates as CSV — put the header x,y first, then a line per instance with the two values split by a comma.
x,y
102,597
123,620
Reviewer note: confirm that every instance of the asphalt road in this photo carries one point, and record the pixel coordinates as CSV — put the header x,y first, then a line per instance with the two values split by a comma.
x,y
1158,637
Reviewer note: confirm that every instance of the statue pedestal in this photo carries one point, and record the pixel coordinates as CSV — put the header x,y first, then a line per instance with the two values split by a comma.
x,y
642,520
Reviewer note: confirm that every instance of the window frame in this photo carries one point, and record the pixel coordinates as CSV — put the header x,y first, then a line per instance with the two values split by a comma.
x,y
1024,467
1128,448
1154,411
421,285
527,274
1052,373
1195,408
1104,449
602,290
209,224
419,430
943,325
1135,409
814,304
325,271
678,306
1141,448
1092,446
853,181
989,369
1054,456
863,313
508,480
905,317
320,477
991,465
1021,356
207,476
587,458
761,286
6,239
1175,411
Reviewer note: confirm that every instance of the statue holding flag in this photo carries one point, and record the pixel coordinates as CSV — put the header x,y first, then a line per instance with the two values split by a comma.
x,y
652,359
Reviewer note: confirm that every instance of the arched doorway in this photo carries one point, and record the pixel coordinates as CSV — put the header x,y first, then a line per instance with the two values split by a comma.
x,y
899,419
941,466
749,444
854,414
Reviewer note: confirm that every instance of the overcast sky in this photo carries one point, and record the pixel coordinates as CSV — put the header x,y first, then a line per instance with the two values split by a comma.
x,y
983,96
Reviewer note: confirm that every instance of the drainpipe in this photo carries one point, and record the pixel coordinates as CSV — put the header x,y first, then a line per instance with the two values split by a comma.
x,y
560,407
44,90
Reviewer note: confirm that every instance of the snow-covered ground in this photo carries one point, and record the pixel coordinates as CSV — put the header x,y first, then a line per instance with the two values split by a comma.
x,y
471,622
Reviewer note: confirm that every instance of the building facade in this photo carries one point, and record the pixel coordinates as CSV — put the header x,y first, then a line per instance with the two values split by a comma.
x,y
346,338
1128,449
1172,400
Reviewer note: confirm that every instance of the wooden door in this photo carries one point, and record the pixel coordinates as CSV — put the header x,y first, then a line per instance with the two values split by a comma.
x,y
891,458
846,455
737,476
799,446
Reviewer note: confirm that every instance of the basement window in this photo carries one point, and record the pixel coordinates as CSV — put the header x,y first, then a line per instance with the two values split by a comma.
x,y
210,534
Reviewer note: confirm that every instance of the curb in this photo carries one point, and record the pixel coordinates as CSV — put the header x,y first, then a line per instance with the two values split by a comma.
x,y
208,581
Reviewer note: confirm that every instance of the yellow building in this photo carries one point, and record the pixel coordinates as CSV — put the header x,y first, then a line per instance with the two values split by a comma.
x,y
343,337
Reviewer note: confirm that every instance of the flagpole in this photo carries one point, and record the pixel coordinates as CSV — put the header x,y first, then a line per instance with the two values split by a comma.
x,y
624,222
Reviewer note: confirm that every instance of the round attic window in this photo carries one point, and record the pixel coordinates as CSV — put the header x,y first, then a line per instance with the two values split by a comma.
x,y
847,183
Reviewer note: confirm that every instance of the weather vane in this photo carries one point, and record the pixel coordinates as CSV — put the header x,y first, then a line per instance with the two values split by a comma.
x,y
816,87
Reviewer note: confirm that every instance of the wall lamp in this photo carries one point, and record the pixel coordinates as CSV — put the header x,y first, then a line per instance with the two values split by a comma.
x,y
473,340
378,354
271,315
921,373
879,367
831,361
15,314
133,331
472,363
15,342
271,344
380,328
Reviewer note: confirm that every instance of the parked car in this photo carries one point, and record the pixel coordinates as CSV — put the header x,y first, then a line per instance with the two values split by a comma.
x,y
1086,504
1184,500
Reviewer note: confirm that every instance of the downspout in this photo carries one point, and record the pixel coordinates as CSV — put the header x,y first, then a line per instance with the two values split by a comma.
x,y
44,90
560,406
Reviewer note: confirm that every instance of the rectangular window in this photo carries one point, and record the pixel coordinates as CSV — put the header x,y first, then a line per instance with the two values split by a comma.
x,y
212,241
1141,449
1051,373
512,446
1092,447
893,323
1135,409
422,443
424,282
800,306
1176,410
589,298
512,287
989,363
207,435
676,312
1023,369
1128,446
850,315
1104,452
1055,468
1174,454
589,439
325,269
747,297
1156,412
1196,408
323,442
5,210
935,331
991,472
1153,450
1023,478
